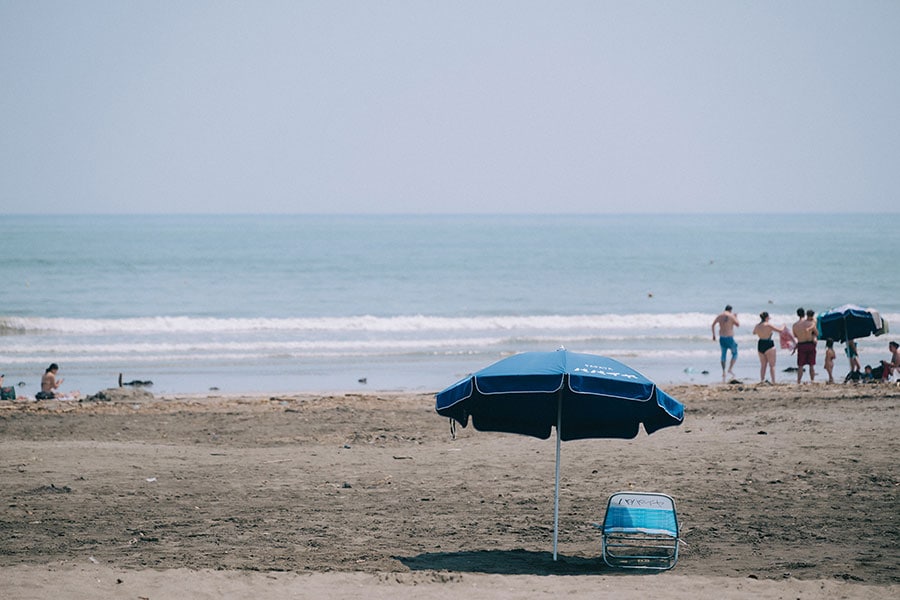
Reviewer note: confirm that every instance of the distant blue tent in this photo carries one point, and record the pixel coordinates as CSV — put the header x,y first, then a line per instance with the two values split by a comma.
x,y
850,322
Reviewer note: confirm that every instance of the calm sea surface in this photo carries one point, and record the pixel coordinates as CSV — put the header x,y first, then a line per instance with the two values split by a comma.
x,y
315,303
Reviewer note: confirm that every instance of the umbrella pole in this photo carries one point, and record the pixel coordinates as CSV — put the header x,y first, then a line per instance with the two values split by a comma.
x,y
556,495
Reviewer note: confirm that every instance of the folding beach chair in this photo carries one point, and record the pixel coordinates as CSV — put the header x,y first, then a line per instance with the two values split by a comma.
x,y
640,531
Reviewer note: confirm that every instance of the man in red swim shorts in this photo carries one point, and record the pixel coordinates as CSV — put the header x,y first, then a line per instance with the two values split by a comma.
x,y
806,333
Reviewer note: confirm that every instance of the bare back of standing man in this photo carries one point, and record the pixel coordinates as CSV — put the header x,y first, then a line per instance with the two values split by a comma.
x,y
807,335
727,321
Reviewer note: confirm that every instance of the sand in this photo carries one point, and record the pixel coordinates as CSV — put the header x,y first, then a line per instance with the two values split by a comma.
x,y
782,491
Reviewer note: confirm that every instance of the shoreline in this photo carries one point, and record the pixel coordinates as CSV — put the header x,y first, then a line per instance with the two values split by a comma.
x,y
711,380
134,393
248,363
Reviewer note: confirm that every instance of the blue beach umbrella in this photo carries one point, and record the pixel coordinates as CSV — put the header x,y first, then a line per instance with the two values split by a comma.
x,y
582,395
850,322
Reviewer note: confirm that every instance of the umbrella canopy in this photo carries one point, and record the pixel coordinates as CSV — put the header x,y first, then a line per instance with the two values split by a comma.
x,y
582,395
849,322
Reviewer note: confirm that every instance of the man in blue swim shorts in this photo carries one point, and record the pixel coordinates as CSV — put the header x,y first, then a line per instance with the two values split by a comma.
x,y
727,321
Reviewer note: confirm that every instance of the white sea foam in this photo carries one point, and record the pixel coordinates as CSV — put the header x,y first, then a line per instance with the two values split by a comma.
x,y
367,323
255,348
166,358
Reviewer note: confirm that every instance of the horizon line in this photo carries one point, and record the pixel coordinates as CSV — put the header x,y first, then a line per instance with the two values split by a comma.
x,y
438,214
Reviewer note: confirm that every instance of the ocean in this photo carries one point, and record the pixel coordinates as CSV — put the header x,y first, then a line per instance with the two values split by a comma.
x,y
283,304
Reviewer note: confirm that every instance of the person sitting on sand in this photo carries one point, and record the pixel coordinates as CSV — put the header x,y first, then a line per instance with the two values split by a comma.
x,y
50,384
765,347
6,393
889,367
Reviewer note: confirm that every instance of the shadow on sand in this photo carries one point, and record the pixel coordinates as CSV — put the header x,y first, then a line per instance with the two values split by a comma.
x,y
506,562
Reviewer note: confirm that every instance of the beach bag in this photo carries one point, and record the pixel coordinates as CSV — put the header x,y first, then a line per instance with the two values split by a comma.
x,y
7,393
44,396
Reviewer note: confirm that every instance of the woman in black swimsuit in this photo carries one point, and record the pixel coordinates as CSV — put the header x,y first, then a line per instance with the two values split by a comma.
x,y
765,347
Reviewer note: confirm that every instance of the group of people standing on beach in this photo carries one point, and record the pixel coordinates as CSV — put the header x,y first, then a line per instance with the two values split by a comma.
x,y
801,338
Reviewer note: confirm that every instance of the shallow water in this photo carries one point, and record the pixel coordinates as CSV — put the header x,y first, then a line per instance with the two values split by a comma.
x,y
301,303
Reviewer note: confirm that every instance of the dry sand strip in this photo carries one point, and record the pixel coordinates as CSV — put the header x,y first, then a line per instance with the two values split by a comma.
x,y
102,583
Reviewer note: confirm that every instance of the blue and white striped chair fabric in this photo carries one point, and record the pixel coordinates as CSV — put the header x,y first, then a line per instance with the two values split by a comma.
x,y
640,531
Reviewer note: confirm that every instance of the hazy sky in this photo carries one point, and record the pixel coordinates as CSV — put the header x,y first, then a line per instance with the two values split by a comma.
x,y
462,107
